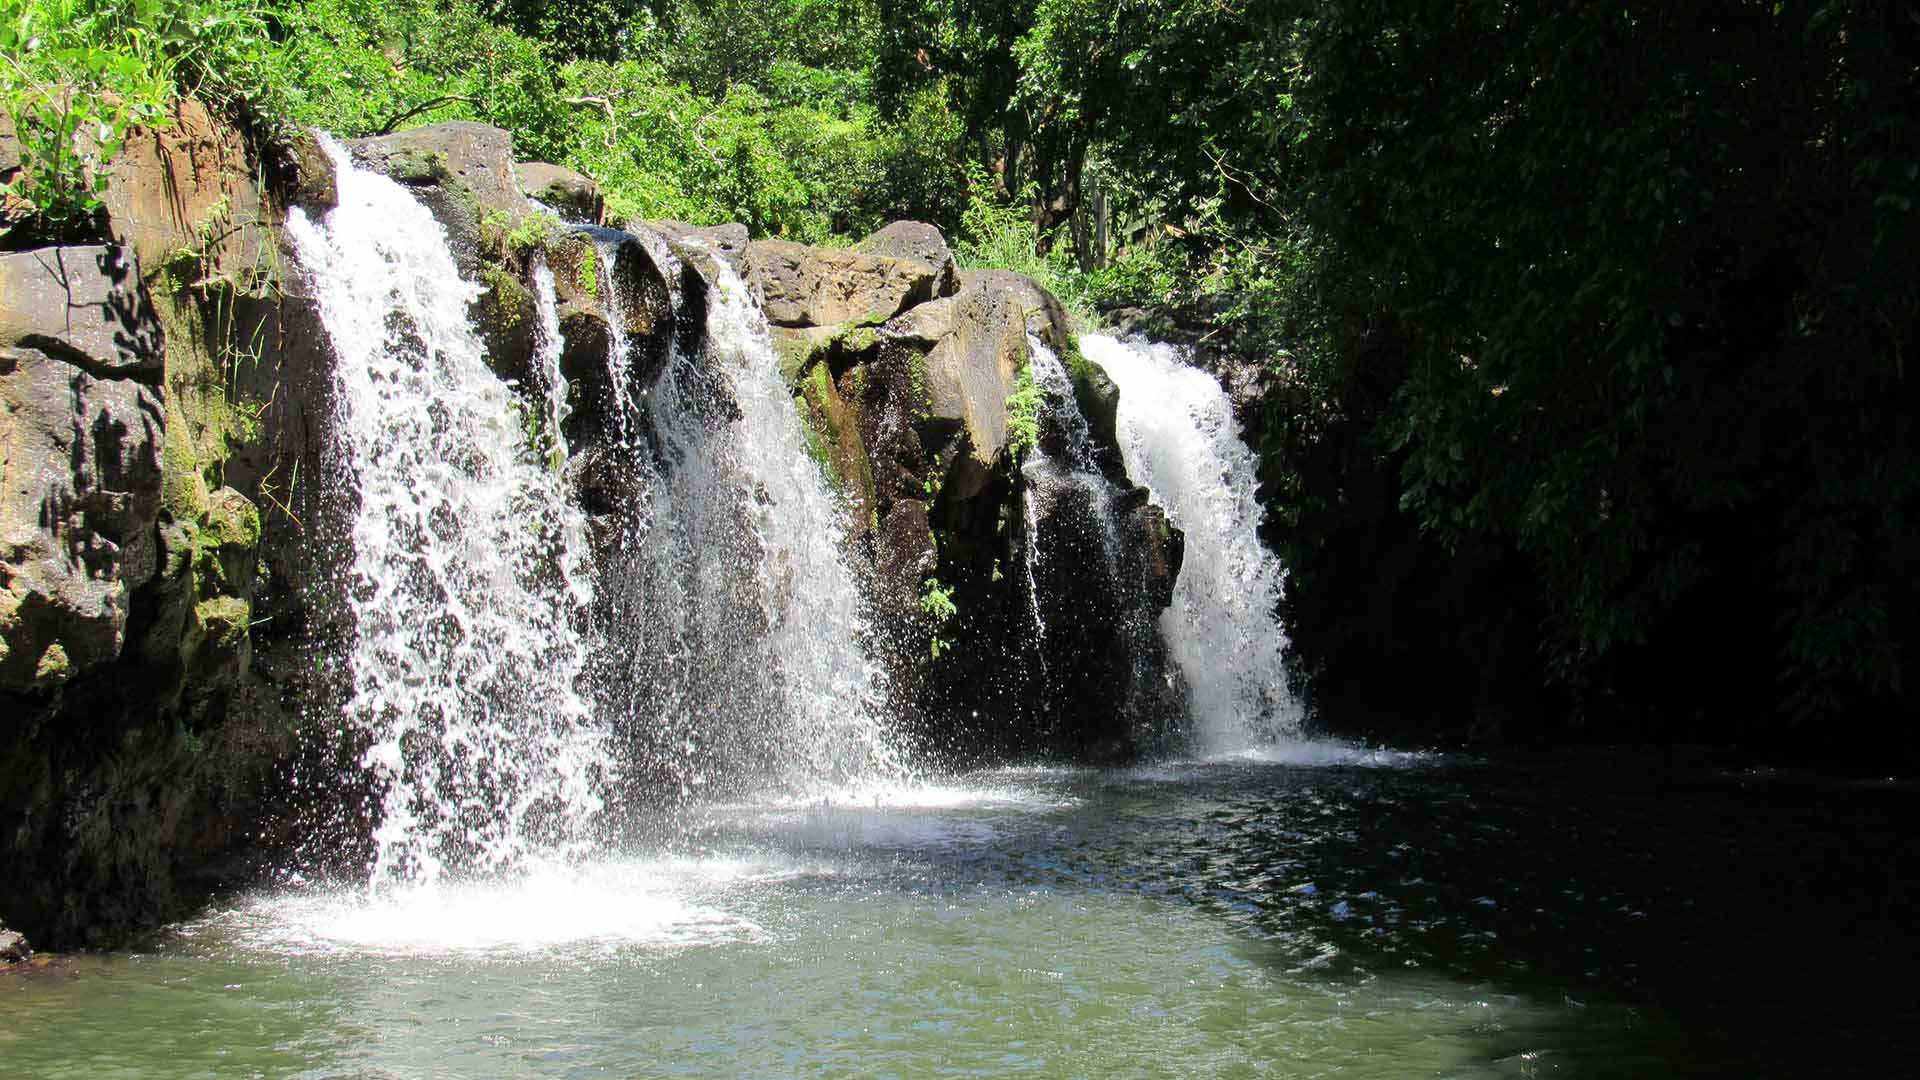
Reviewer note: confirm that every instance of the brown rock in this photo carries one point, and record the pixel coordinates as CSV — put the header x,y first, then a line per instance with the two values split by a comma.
x,y
1045,317
573,195
805,286
184,196
922,242
973,345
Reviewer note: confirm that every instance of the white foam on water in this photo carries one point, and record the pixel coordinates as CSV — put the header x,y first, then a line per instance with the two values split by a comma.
x,y
610,906
1311,752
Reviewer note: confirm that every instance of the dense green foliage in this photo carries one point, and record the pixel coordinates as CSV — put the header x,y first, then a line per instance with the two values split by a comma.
x,y
1652,276
1590,323
76,76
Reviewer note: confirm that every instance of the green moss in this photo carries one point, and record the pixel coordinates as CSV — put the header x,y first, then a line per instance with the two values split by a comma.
x,y
1023,413
797,354
413,165
922,407
223,621
535,232
54,665
816,446
589,274
1079,368
857,339
504,306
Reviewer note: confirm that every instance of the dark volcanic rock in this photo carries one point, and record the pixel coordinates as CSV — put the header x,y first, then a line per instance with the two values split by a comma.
x,y
84,305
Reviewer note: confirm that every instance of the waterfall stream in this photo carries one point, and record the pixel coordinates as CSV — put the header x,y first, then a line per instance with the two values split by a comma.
x,y
1180,439
468,561
734,647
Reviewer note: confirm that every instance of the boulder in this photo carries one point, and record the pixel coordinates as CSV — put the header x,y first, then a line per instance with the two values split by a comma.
x,y
921,242
307,176
971,348
806,286
13,946
83,305
728,243
1098,397
572,195
183,197
463,171
585,266
80,490
1046,318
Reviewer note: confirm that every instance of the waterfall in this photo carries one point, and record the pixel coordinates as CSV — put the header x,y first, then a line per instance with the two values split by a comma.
x,y
1180,439
1097,641
467,570
1074,473
733,629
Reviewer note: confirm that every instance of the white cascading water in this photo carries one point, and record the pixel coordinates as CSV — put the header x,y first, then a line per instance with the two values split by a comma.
x,y
553,384
620,349
1179,438
740,619
468,567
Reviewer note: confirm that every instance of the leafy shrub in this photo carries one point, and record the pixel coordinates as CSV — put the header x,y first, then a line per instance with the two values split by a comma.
x,y
76,76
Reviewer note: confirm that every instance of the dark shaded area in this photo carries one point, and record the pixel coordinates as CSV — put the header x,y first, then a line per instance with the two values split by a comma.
x,y
1659,915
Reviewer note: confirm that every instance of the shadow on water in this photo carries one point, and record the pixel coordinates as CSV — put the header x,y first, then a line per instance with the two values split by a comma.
x,y
1655,915
1595,916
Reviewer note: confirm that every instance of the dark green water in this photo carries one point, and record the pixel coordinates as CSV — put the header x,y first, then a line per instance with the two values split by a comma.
x,y
1594,917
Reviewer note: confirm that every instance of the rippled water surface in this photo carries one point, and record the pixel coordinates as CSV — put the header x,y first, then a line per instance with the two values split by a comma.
x,y
1356,917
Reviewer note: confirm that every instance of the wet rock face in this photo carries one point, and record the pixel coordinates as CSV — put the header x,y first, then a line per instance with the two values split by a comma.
x,y
155,394
81,432
728,243
463,171
585,265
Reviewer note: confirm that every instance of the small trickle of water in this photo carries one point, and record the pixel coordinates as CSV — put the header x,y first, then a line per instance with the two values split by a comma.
x,y
620,349
552,386
467,564
1180,439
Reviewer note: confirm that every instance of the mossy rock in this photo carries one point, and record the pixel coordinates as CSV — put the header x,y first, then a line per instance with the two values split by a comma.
x,y
507,317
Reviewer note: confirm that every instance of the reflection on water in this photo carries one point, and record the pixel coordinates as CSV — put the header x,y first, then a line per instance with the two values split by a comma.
x,y
1447,918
